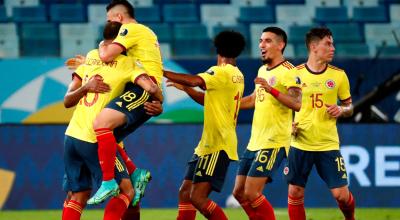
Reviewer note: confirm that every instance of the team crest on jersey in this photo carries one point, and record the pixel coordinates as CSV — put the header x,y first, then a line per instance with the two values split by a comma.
x,y
272,81
123,32
286,170
330,84
210,71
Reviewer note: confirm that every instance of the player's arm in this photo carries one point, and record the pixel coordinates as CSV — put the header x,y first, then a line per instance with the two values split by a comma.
x,y
185,79
248,102
149,86
76,91
108,52
292,100
197,96
344,110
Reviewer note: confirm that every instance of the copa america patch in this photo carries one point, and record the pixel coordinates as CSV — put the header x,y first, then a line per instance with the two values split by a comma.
x,y
330,84
210,71
123,32
298,80
286,170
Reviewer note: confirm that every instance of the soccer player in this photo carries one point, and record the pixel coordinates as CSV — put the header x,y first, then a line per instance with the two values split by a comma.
x,y
223,85
277,93
140,44
93,85
316,140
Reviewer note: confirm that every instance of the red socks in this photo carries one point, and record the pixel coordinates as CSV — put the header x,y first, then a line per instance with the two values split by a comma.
x,y
128,162
212,211
248,209
132,213
116,207
296,208
186,211
348,208
72,211
263,209
106,151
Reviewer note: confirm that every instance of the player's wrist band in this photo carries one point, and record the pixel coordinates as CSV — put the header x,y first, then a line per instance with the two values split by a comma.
x,y
274,92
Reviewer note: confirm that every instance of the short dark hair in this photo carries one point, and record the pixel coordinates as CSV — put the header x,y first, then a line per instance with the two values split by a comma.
x,y
316,34
279,32
129,8
229,43
111,30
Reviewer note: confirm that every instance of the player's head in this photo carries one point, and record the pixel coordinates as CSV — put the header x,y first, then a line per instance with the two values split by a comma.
x,y
272,43
319,42
111,30
120,10
229,44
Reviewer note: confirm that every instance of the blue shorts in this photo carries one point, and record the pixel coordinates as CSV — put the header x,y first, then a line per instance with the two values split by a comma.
x,y
82,166
261,163
329,164
130,103
210,168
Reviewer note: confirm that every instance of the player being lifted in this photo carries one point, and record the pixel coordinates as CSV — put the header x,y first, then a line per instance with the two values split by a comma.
x,y
223,85
277,93
141,45
316,140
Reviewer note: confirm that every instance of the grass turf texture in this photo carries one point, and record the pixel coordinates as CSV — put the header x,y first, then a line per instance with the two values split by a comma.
x,y
233,214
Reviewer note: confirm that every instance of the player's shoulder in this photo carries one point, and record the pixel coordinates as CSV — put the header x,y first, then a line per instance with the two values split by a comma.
x,y
287,65
93,53
301,66
332,67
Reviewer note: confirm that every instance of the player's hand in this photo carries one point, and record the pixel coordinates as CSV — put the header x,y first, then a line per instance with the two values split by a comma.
x,y
176,85
263,83
153,108
334,110
295,129
97,85
73,63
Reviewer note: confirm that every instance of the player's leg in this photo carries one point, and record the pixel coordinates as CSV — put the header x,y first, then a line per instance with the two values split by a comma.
x,y
78,178
135,117
209,176
186,210
117,205
261,172
238,191
297,170
330,166
122,115
132,213
104,124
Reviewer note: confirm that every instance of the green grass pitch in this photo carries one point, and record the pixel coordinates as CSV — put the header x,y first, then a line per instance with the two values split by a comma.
x,y
233,214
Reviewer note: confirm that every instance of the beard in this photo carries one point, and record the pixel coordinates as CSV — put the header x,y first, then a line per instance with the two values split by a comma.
x,y
266,60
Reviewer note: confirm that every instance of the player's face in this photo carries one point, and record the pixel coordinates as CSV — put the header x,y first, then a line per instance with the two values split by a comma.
x,y
325,49
270,46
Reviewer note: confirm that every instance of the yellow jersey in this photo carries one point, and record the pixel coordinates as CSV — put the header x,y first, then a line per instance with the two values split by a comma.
x,y
317,129
224,89
272,120
141,44
116,74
